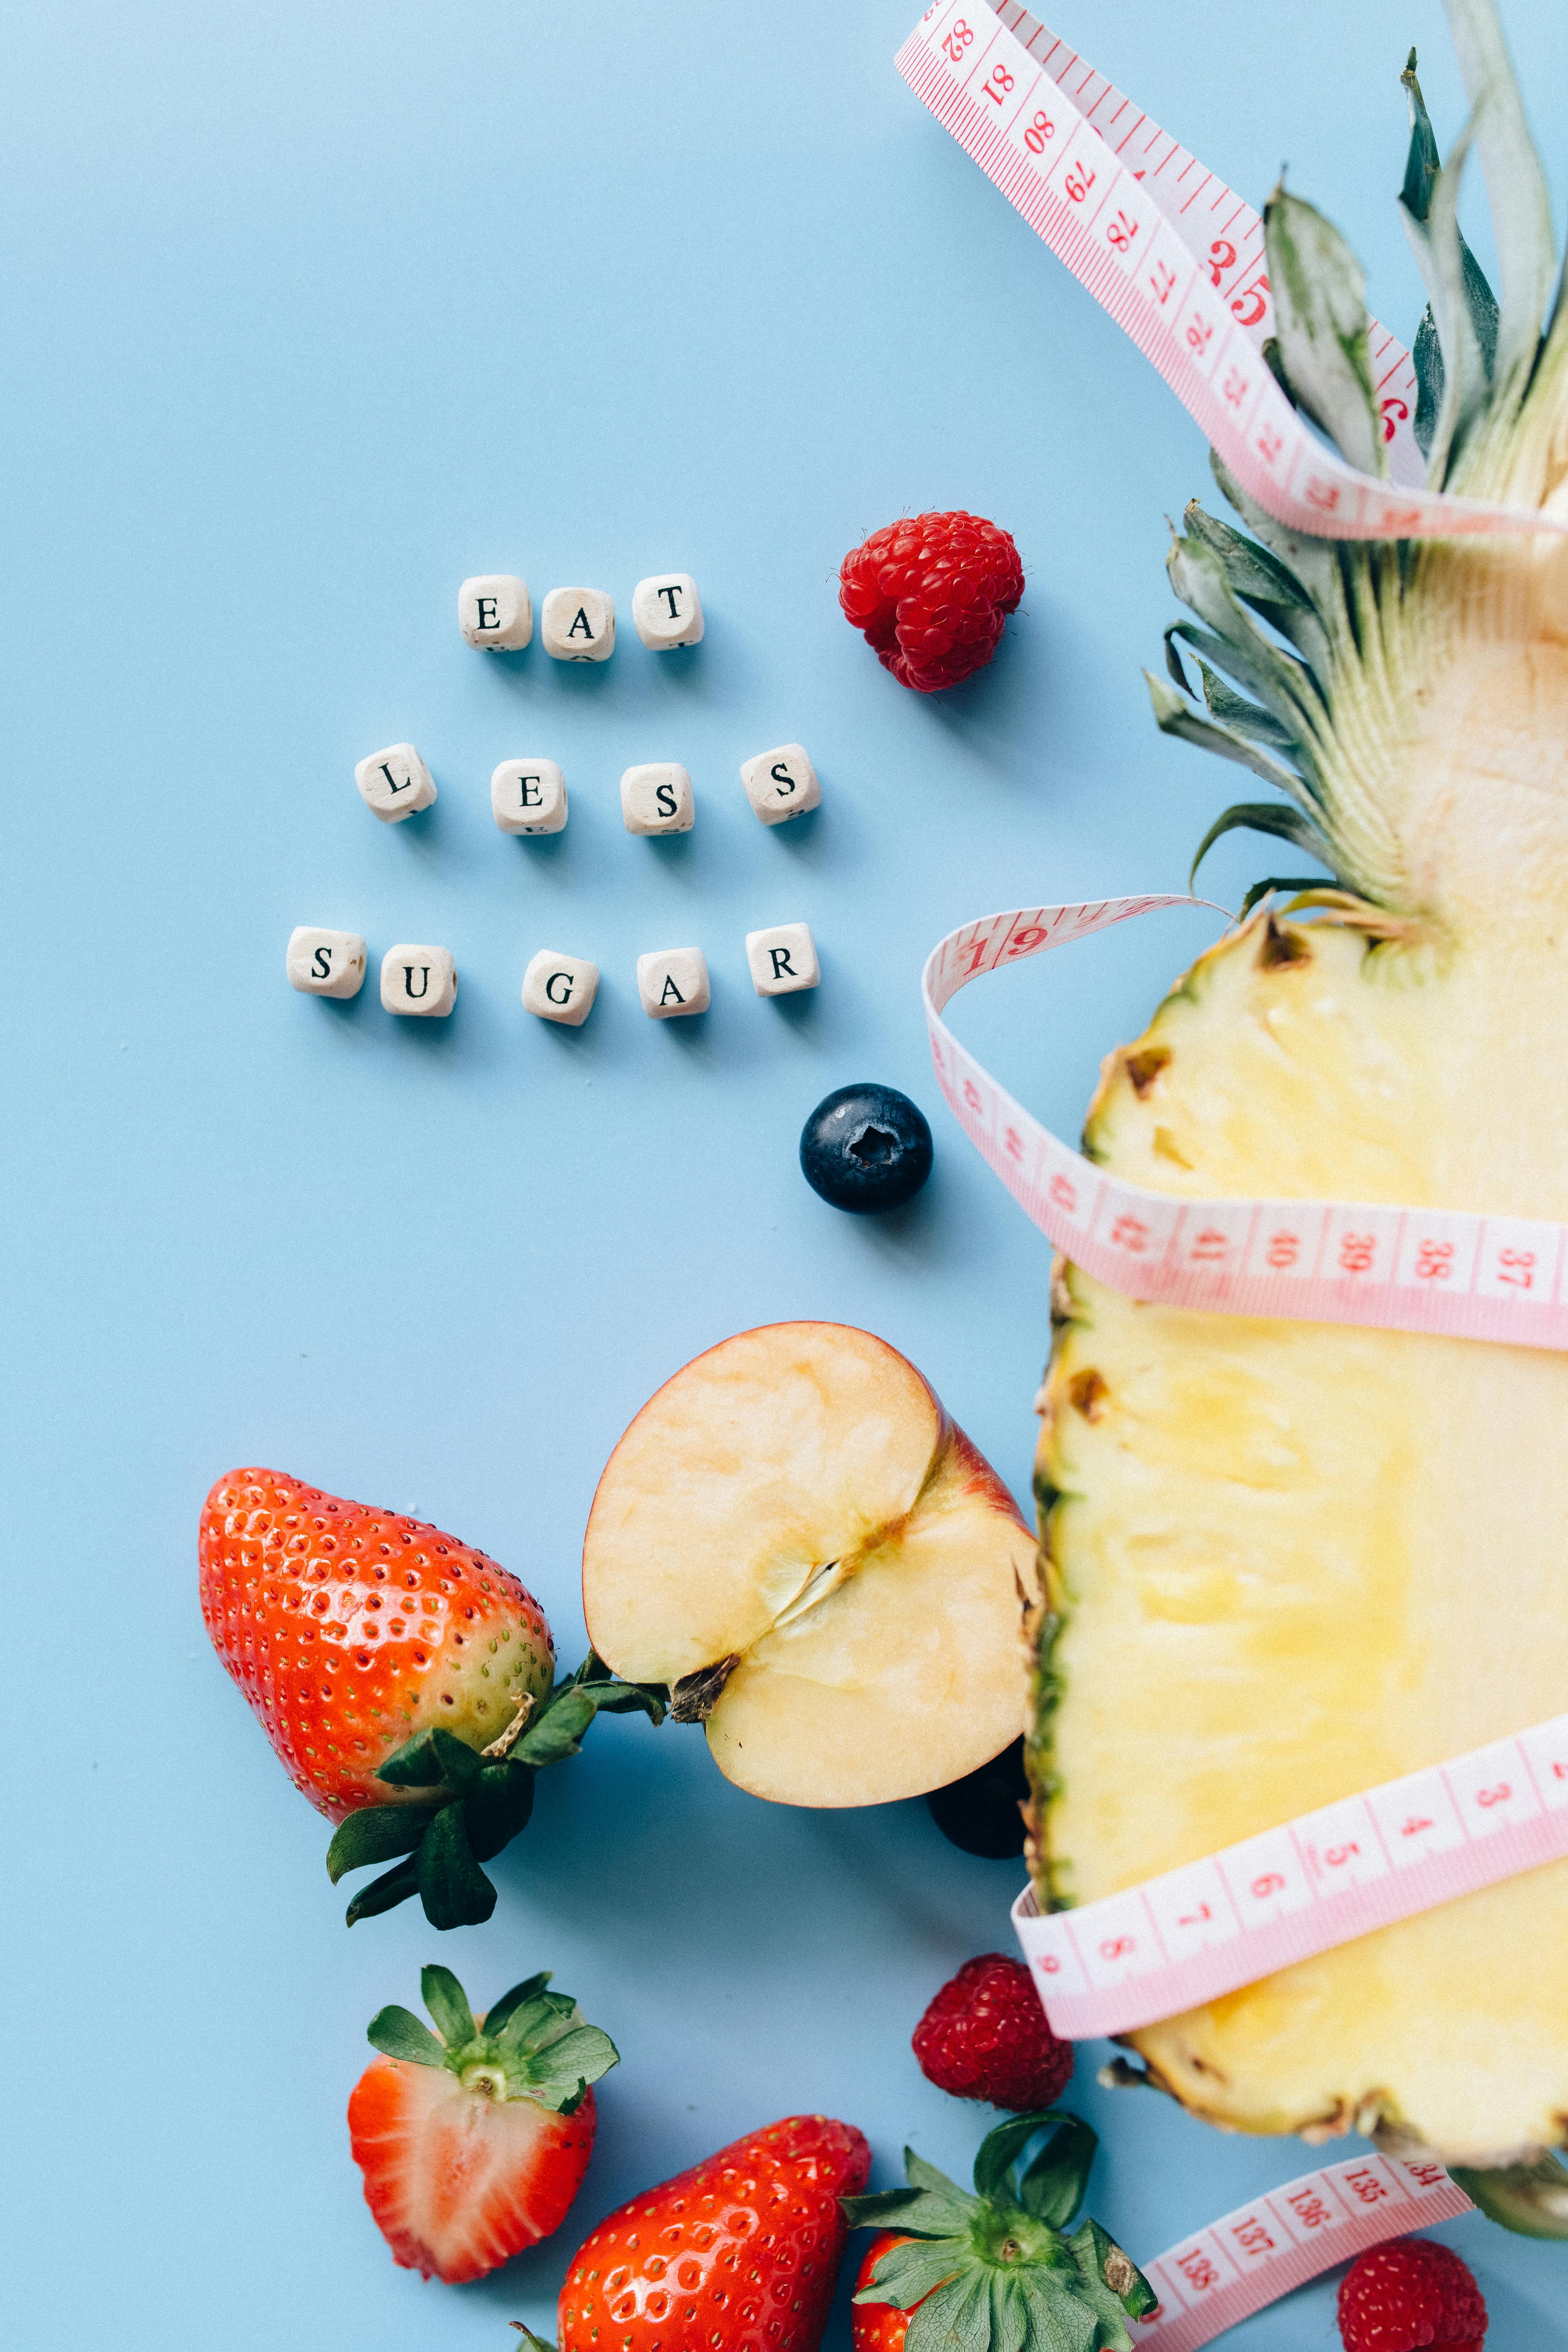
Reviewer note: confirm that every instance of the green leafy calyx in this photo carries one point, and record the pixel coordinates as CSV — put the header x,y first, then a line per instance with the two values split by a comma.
x,y
1000,2271
533,2045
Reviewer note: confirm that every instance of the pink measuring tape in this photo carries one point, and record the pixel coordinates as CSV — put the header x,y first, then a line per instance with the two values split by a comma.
x,y
1177,259
1207,2282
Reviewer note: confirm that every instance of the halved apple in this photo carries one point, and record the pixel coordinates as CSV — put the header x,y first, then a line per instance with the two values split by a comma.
x,y
794,1537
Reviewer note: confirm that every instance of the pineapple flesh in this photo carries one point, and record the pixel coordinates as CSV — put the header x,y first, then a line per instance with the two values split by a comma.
x,y
1283,1561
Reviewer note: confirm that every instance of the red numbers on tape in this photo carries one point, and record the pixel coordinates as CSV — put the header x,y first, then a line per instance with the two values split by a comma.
x,y
958,37
996,85
1039,131
1077,182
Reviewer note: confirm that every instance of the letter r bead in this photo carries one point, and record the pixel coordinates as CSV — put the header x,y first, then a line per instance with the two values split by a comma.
x,y
783,960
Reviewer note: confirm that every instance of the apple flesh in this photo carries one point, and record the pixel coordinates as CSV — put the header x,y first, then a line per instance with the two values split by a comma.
x,y
794,1537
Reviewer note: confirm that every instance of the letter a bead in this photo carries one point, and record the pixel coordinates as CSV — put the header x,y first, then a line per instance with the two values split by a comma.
x,y
657,798
781,784
325,963
666,611
395,782
419,979
783,960
560,987
495,612
529,796
672,982
578,625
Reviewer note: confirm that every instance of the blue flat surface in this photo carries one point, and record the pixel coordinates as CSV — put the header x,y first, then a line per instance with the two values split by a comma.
x,y
311,310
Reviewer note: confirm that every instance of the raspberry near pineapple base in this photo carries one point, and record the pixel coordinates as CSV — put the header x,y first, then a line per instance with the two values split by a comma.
x,y
1286,1561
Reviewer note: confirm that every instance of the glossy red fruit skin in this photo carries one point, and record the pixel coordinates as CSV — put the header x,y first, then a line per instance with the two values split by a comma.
x,y
1410,2295
985,2037
349,1629
877,2327
739,2255
931,594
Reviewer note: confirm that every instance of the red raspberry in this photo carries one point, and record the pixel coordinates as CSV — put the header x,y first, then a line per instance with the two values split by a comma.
x,y
1403,2297
932,595
985,2037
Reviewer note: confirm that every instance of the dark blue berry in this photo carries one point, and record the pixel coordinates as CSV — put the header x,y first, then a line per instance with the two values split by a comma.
x,y
865,1148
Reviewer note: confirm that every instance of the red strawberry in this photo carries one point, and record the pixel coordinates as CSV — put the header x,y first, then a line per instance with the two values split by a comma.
x,y
350,1629
1410,2293
985,2036
473,2147
998,2272
877,2327
932,595
739,2255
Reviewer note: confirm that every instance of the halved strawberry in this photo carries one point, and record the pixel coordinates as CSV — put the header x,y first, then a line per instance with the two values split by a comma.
x,y
473,2147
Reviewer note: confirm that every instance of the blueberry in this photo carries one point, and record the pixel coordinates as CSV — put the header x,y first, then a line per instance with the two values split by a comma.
x,y
865,1148
980,1812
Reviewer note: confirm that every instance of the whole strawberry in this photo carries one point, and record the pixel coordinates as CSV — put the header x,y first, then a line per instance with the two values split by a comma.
x,y
393,1669
932,595
739,2254
985,2037
473,2144
1408,2294
998,2272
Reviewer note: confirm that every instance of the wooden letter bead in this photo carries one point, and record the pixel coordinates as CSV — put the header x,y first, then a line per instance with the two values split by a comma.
x,y
781,784
529,796
495,612
578,625
419,979
395,782
783,960
559,988
325,963
672,982
657,798
666,611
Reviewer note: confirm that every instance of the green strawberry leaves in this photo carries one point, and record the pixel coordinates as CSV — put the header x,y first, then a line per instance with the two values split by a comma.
x,y
998,2271
533,2045
464,1805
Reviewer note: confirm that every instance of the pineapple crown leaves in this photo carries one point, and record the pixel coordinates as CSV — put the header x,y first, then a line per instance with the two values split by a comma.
x,y
533,2045
1531,2200
1321,322
466,1804
1000,2271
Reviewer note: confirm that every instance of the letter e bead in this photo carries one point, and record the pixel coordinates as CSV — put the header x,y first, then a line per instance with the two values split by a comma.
x,y
657,798
783,960
559,988
395,782
496,613
529,796
578,625
666,611
672,982
419,979
325,963
781,784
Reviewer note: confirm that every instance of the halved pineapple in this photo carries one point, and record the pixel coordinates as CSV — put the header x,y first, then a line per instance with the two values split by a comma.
x,y
1284,1561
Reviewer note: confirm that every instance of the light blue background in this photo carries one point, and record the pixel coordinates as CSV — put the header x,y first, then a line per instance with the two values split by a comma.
x,y
309,310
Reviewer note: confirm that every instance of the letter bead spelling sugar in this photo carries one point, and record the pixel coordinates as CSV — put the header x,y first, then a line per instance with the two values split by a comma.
x,y
672,982
395,782
781,784
657,798
666,611
528,796
578,625
783,960
419,979
560,987
324,963
495,612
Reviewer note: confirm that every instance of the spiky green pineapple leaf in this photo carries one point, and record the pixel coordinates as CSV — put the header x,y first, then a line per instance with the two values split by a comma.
x,y
1436,244
1516,187
1314,562
1174,716
1233,709
1321,319
1265,816
1423,168
1281,681
1132,2080
1531,2200
1265,584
